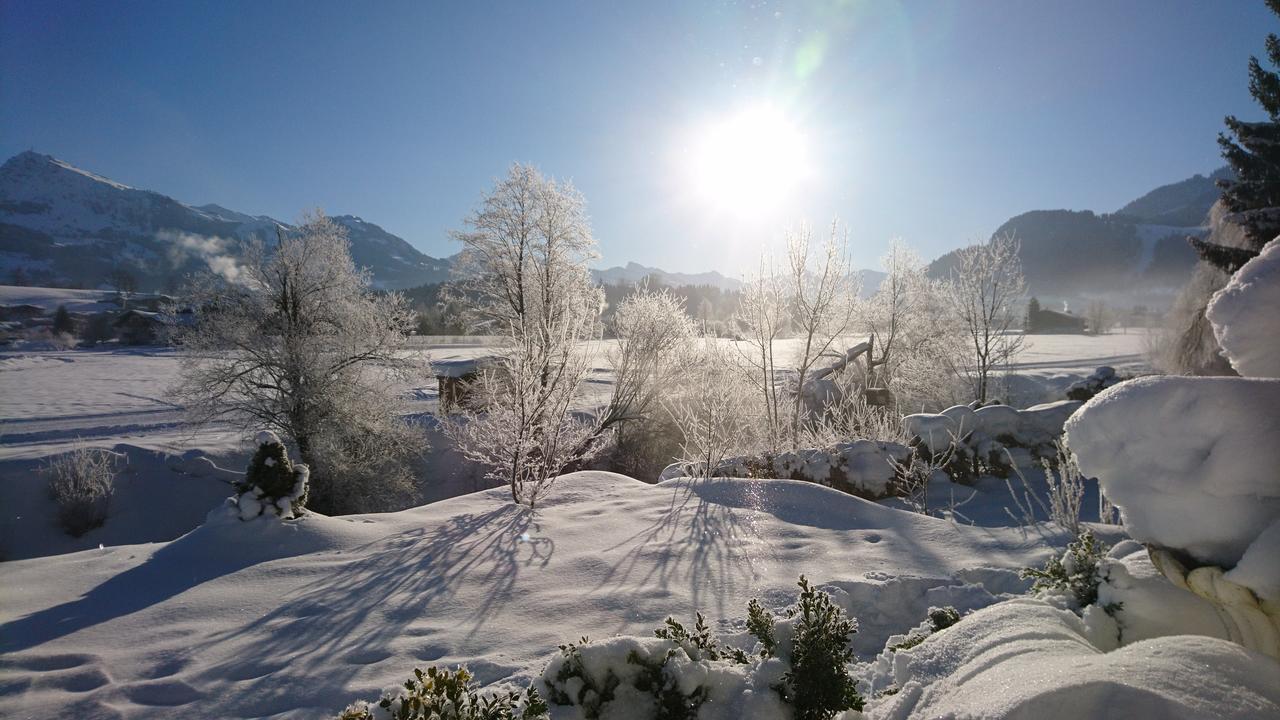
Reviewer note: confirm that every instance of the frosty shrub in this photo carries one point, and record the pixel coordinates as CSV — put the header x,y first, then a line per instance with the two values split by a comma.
x,y
853,419
82,482
296,340
1064,497
443,694
715,412
1066,488
272,484
1074,573
800,662
654,336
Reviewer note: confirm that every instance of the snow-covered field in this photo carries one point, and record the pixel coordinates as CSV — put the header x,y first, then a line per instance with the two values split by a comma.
x,y
270,619
83,301
266,620
51,400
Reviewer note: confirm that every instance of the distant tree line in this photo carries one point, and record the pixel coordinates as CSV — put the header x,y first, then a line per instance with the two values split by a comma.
x,y
711,308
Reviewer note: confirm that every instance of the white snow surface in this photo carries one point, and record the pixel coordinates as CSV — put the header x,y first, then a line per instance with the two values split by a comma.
x,y
1259,567
1028,659
1191,462
1036,425
82,301
1243,315
296,619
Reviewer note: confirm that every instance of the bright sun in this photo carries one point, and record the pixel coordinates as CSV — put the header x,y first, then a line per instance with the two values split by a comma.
x,y
750,162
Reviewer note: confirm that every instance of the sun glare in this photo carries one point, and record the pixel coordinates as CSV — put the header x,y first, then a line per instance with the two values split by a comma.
x,y
750,162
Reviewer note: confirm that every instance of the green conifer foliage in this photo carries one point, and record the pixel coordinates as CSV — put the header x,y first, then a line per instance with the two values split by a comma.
x,y
1253,151
271,470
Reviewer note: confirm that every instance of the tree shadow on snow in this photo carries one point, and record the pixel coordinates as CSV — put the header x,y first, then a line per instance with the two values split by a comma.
x,y
708,544
356,609
173,569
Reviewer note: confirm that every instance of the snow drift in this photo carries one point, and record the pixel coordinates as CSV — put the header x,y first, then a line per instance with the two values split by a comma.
x,y
1244,315
1190,462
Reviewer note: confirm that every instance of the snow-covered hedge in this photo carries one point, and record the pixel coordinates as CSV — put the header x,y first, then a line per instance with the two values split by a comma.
x,y
974,440
272,484
1244,315
867,468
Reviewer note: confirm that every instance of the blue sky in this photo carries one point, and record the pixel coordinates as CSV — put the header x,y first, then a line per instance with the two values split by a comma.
x,y
930,121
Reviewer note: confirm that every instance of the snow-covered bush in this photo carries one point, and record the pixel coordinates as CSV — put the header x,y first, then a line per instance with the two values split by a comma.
x,y
443,694
82,482
1190,462
1097,381
1244,327
1026,658
800,663
1074,574
972,441
272,484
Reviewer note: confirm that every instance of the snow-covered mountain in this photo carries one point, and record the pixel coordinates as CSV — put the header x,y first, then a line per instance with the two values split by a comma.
x,y
63,225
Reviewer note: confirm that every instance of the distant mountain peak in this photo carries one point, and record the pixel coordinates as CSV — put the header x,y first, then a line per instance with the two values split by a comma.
x,y
31,161
65,225
1184,203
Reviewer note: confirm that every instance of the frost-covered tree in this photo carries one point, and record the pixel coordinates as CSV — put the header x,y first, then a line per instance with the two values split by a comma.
x,y
761,320
523,267
915,344
523,429
300,344
985,291
524,274
821,294
812,300
1099,316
